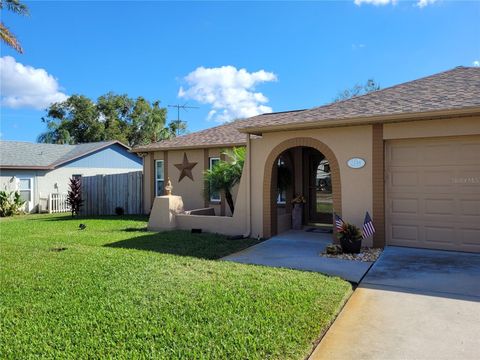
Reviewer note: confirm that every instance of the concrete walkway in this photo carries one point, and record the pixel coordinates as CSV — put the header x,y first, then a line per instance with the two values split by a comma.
x,y
300,250
413,304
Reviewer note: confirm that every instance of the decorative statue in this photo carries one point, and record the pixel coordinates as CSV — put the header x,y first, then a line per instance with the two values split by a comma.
x,y
169,187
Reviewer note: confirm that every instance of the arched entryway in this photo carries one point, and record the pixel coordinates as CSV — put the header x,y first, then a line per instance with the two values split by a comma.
x,y
317,157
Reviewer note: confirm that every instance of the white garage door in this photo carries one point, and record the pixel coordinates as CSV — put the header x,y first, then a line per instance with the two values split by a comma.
x,y
433,193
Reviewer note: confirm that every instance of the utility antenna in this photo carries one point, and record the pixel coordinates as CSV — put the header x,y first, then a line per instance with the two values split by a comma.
x,y
178,107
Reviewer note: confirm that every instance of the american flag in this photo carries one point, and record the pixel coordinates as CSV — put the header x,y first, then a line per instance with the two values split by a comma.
x,y
338,223
368,228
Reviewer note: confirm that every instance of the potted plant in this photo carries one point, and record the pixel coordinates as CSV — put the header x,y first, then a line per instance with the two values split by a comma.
x,y
297,212
350,238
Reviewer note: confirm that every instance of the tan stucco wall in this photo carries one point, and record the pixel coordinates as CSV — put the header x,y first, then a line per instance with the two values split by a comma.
x,y
164,210
432,128
345,142
348,142
191,191
163,218
356,184
227,225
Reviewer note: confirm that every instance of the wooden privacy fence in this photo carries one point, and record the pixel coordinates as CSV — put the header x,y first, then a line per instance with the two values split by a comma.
x,y
101,194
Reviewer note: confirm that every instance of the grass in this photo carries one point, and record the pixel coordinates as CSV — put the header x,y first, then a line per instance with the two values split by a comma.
x,y
324,208
114,290
324,203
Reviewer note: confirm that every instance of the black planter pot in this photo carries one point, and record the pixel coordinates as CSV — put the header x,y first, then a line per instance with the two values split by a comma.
x,y
351,247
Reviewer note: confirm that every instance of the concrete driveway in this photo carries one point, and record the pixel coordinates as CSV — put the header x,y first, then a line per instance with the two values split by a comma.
x,y
300,250
412,304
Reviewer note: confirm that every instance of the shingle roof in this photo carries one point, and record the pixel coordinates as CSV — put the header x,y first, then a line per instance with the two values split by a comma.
x,y
217,136
454,89
18,154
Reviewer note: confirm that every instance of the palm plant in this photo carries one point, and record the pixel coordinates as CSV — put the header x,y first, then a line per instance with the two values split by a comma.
x,y
225,175
5,34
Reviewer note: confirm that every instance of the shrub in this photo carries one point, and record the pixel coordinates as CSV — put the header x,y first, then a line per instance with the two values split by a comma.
x,y
74,197
10,203
350,238
349,232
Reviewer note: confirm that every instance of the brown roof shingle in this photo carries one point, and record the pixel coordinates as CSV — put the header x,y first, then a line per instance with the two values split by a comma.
x,y
218,136
458,88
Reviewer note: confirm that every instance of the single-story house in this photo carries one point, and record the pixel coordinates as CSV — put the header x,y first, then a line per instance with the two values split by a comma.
x,y
37,170
408,154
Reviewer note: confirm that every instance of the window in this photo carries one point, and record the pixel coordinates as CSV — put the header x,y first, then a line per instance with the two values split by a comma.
x,y
282,193
159,177
25,189
214,195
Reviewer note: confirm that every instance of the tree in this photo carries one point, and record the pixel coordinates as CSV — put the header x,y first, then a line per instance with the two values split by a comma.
x,y
112,117
148,122
114,112
177,127
357,90
75,120
74,196
225,175
7,36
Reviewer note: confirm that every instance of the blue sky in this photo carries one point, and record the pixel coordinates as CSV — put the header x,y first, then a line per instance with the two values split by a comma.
x,y
308,52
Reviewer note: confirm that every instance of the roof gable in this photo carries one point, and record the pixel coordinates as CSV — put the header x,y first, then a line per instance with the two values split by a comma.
x,y
25,155
455,89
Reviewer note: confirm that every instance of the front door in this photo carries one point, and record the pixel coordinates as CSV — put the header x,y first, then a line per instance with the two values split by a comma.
x,y
320,201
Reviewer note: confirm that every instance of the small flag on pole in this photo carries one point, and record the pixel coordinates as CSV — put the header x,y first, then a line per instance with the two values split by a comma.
x,y
338,223
368,228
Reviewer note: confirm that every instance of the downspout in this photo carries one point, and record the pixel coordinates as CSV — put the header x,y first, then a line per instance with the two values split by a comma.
x,y
249,195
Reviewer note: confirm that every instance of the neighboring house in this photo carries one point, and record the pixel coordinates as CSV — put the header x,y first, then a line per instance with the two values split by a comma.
x,y
37,170
408,154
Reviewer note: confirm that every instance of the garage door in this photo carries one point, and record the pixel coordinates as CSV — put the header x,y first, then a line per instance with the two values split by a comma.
x,y
433,193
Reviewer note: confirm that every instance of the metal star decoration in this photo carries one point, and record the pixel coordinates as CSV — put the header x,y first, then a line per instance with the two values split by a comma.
x,y
185,168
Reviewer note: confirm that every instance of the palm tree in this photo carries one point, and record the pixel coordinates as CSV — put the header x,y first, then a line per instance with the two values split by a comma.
x,y
226,174
7,36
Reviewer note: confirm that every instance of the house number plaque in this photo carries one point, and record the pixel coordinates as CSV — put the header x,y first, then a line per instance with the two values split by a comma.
x,y
356,163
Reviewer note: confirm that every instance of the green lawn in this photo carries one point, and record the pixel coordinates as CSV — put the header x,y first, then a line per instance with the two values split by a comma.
x,y
117,291
324,207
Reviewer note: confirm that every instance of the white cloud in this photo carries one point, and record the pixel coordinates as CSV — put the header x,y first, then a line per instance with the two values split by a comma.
x,y
420,3
423,3
375,2
27,87
476,63
230,91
